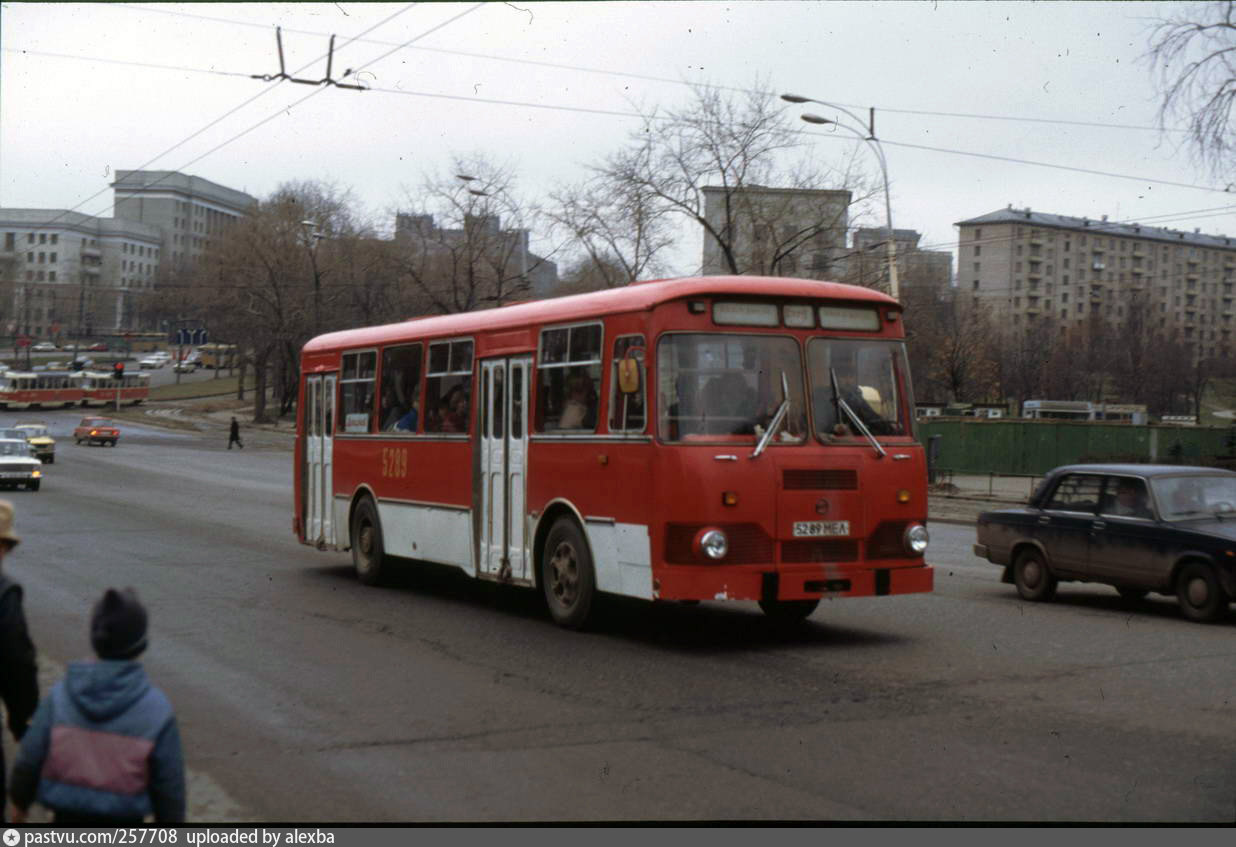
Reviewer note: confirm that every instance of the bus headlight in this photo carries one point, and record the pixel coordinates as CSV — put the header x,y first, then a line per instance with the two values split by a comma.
x,y
916,539
712,543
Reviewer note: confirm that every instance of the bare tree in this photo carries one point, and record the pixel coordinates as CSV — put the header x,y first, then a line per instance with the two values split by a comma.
x,y
466,243
1193,54
619,226
721,162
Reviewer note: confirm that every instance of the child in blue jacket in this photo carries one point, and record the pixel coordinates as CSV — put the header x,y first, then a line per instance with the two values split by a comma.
x,y
103,748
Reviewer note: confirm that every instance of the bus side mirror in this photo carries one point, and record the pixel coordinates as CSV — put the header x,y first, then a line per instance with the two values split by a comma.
x,y
628,376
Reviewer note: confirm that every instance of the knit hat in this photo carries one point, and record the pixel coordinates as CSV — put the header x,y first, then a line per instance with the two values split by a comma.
x,y
118,625
6,524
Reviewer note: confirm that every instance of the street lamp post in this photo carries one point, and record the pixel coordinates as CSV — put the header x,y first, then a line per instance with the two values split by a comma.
x,y
314,237
874,143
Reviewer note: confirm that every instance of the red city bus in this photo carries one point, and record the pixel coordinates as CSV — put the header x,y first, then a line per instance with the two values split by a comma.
x,y
715,438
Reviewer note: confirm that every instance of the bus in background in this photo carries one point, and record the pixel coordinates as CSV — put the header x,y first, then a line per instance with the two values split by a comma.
x,y
713,438
99,388
216,356
137,342
26,390
1083,410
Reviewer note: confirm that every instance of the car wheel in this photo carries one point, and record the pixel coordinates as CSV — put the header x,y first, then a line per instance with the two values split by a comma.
x,y
1201,597
567,577
1132,595
33,486
1034,580
368,553
788,612
79,441
51,460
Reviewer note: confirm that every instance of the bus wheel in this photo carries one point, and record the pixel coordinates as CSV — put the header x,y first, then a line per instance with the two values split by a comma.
x,y
368,554
1201,596
788,611
567,576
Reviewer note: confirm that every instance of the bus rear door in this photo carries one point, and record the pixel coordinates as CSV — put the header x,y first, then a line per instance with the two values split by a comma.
x,y
319,442
503,466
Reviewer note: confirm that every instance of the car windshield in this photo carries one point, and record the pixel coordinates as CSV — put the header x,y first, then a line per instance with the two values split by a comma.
x,y
34,431
12,447
714,387
1191,496
870,378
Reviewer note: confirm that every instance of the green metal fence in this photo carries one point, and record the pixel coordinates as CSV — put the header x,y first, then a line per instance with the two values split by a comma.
x,y
1034,447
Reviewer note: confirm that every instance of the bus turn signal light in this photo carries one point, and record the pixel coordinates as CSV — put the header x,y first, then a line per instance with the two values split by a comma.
x,y
729,498
903,495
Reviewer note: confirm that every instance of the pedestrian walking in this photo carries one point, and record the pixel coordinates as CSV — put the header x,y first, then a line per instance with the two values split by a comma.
x,y
19,673
103,748
234,435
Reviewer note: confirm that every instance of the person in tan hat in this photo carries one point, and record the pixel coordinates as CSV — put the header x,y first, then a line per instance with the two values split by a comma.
x,y
19,680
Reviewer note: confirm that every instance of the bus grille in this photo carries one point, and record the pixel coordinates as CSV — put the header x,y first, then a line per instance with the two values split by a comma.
x,y
820,480
10,468
748,544
815,550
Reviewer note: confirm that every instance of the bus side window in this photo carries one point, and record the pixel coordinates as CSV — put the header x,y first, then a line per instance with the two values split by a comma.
x,y
356,406
568,378
626,411
448,387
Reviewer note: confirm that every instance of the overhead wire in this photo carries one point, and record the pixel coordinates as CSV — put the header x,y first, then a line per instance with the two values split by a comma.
x,y
669,80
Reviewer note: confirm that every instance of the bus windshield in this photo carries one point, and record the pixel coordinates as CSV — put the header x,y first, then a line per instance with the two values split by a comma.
x,y
868,376
714,387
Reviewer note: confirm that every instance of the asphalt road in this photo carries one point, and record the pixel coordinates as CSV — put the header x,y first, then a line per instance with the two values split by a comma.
x,y
305,696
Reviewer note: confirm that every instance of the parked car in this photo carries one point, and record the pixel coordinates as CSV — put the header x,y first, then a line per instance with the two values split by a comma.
x,y
58,366
97,430
151,362
97,347
1167,529
185,367
44,347
17,466
40,439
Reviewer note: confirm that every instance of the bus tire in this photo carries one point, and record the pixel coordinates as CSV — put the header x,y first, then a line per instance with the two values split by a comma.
x,y
788,612
368,553
567,576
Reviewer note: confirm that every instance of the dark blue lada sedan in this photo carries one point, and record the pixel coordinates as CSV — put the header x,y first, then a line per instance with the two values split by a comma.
x,y
1140,528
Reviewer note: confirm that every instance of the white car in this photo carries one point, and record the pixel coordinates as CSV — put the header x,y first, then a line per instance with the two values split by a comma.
x,y
17,466
44,347
151,362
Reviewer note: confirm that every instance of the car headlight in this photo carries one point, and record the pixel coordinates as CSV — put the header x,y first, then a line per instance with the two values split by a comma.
x,y
36,474
712,543
916,539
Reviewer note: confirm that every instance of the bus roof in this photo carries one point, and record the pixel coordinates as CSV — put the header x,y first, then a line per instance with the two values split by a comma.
x,y
638,296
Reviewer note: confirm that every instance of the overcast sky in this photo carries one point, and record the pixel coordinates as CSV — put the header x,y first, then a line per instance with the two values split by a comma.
x,y
1057,83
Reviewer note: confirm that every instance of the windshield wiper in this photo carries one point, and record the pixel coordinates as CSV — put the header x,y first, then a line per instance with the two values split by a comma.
x,y
778,418
839,401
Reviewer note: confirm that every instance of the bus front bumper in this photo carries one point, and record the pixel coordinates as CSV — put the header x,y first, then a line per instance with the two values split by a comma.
x,y
790,582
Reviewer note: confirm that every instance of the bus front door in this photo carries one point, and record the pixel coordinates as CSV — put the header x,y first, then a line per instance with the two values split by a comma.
x,y
319,442
503,435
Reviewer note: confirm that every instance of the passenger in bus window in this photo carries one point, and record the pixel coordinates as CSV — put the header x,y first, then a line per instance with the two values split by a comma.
x,y
392,410
407,423
576,411
453,411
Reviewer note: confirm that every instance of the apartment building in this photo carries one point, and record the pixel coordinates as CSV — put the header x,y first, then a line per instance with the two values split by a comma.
x,y
916,268
66,273
188,210
507,249
791,232
1030,267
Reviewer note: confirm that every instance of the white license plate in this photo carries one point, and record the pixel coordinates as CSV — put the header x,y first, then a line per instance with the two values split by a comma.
x,y
17,475
812,529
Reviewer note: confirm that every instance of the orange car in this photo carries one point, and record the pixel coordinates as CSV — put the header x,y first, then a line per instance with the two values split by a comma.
x,y
100,430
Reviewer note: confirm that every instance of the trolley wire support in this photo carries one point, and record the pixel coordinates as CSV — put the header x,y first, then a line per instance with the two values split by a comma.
x,y
326,80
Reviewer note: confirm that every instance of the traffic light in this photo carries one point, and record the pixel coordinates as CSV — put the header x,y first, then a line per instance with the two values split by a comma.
x,y
118,370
